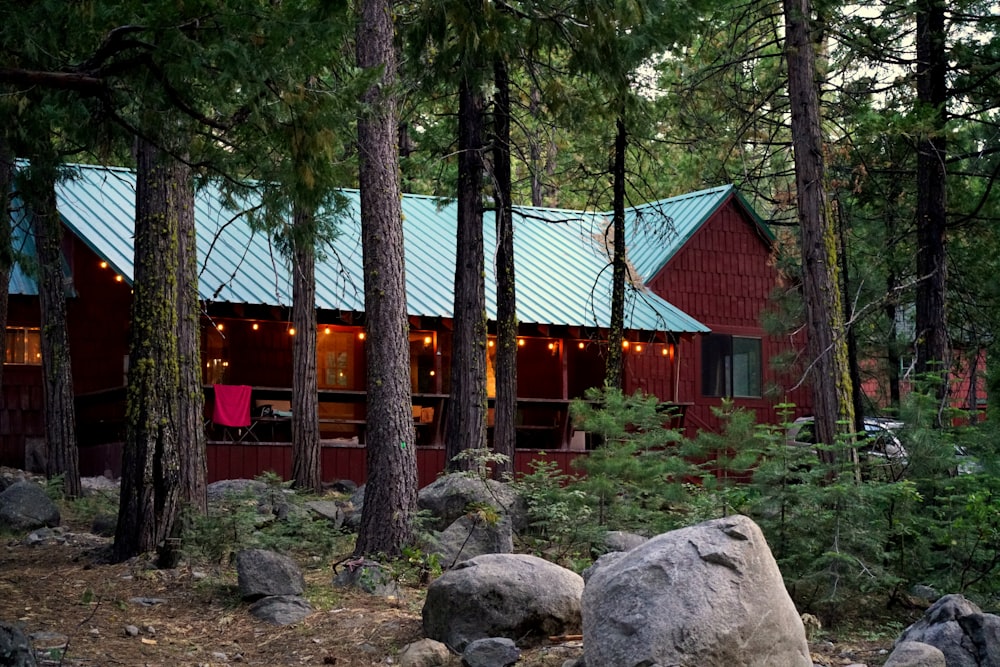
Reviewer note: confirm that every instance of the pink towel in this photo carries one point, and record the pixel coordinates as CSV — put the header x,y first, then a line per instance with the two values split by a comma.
x,y
232,405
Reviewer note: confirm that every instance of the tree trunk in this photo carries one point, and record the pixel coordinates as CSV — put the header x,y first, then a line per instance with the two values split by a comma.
x,y
505,413
391,491
466,427
932,345
6,250
615,372
60,416
831,383
150,500
305,399
853,363
191,398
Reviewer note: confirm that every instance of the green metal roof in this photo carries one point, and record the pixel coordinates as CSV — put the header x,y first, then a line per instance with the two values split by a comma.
x,y
563,275
657,230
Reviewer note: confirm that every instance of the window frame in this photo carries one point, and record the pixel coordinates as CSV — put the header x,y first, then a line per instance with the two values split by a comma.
x,y
720,354
35,333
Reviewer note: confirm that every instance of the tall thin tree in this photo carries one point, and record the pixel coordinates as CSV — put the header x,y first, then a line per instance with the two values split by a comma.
x,y
38,185
932,346
467,410
391,491
150,498
306,472
831,381
504,431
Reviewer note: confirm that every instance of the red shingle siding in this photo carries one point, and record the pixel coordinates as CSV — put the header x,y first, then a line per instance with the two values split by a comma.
x,y
723,277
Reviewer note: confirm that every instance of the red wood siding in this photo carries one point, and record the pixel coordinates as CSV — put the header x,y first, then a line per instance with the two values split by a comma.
x,y
98,319
723,277
21,412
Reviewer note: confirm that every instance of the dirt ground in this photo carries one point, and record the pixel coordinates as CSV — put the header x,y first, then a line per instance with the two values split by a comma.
x,y
80,609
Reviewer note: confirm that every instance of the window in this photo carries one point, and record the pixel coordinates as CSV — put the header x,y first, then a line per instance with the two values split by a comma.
x,y
730,366
24,346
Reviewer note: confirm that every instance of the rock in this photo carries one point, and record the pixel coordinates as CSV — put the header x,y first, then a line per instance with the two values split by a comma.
x,y
225,489
960,630
923,592
516,596
15,649
425,653
353,508
491,652
281,609
131,630
46,536
620,540
448,497
104,524
146,602
710,594
272,501
468,537
345,486
25,506
329,510
100,484
261,573
916,654
368,575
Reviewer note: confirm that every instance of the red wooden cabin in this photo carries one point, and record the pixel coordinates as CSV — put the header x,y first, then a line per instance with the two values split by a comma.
x,y
702,270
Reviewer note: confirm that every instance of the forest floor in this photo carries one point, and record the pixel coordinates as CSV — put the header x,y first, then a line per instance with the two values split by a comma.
x,y
79,609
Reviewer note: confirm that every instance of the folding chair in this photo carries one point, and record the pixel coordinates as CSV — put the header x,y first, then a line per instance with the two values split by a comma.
x,y
231,411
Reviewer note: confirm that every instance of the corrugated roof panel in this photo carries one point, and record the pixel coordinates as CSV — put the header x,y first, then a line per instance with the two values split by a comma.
x,y
655,231
563,276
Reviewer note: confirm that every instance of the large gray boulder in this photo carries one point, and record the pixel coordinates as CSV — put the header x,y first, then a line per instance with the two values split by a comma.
x,y
916,654
25,506
710,594
281,609
261,573
469,537
521,597
15,649
448,497
960,630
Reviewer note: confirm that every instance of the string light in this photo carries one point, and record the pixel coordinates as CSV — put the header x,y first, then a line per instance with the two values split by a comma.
x,y
326,331
581,345
625,344
219,326
520,342
118,279
361,335
104,265
428,340
256,326
291,331
638,349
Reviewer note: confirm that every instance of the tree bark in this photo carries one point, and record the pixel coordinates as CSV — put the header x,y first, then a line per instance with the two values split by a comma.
x,y
6,250
505,413
305,399
615,371
391,491
60,415
932,344
466,427
191,397
831,383
150,500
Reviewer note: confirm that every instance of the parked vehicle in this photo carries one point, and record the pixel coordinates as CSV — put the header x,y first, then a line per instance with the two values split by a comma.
x,y
881,453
